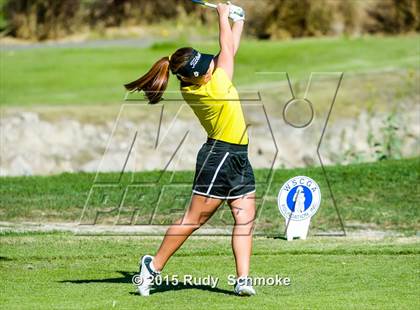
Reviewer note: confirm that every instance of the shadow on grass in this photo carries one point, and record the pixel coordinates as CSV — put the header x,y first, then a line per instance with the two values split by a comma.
x,y
126,277
164,287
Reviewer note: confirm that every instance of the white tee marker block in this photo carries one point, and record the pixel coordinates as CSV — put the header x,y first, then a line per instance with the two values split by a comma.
x,y
298,200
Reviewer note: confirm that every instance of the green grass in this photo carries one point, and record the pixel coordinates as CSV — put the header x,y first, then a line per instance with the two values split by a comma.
x,y
72,272
3,22
382,195
57,76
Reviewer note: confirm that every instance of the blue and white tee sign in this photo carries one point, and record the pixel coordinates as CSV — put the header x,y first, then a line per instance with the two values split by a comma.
x,y
299,198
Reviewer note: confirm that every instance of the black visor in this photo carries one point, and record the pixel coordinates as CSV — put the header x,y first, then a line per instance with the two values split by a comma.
x,y
197,65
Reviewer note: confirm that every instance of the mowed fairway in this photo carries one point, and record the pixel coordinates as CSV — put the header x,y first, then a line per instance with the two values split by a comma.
x,y
81,272
66,271
73,76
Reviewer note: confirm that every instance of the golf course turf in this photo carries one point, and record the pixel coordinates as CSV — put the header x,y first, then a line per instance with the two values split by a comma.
x,y
66,271
63,271
380,195
74,76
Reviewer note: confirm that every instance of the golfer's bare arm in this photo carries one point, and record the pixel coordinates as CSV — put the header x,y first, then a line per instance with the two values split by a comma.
x,y
237,29
226,56
237,33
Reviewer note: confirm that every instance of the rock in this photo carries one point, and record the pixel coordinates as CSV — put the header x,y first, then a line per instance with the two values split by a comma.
x,y
4,172
33,146
20,166
29,117
309,160
107,163
89,130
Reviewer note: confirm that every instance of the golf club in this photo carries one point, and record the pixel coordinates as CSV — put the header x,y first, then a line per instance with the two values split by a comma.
x,y
210,5
233,8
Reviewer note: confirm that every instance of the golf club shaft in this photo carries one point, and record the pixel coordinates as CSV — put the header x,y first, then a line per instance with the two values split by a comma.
x,y
234,9
210,5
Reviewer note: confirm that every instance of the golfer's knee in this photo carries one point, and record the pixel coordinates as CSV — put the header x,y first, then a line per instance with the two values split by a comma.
x,y
244,229
245,217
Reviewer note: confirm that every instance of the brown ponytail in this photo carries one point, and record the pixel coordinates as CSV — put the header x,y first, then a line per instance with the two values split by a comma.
x,y
154,82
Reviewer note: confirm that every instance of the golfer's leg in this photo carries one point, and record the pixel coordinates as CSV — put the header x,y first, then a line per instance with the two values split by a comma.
x,y
243,210
200,210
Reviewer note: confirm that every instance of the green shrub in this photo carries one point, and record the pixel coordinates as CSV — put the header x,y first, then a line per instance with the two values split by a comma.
x,y
297,18
129,12
266,19
51,19
393,16
41,19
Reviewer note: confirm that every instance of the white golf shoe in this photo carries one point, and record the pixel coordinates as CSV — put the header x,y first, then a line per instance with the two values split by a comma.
x,y
146,276
243,287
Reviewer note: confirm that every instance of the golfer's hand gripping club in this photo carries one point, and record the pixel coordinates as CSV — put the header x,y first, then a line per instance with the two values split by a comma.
x,y
236,13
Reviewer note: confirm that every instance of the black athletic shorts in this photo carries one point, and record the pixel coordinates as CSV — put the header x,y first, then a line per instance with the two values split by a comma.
x,y
223,170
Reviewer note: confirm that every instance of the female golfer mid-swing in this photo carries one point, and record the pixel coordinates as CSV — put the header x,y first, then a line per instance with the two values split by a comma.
x,y
223,171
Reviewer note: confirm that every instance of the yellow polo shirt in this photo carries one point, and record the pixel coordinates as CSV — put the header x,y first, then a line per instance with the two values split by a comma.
x,y
218,108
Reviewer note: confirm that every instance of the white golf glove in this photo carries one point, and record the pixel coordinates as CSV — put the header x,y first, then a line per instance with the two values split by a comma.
x,y
236,12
